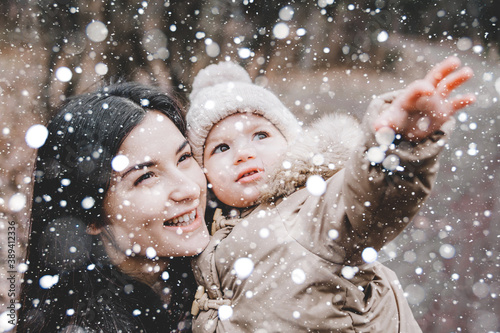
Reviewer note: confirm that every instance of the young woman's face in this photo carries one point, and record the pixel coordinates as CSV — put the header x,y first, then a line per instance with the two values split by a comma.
x,y
155,205
238,152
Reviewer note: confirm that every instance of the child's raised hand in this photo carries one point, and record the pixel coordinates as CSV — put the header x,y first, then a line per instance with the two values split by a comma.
x,y
423,107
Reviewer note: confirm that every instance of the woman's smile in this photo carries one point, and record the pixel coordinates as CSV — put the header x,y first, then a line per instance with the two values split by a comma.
x,y
186,223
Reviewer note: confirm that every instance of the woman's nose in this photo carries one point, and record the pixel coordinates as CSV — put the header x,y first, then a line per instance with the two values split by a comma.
x,y
244,154
185,189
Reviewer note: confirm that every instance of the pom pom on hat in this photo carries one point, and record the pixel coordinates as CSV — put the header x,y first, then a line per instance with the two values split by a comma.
x,y
223,89
222,72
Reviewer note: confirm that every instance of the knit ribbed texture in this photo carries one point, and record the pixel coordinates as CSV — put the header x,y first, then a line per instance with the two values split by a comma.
x,y
223,89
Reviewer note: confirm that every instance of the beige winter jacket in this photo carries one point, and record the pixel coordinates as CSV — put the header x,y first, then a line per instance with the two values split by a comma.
x,y
303,252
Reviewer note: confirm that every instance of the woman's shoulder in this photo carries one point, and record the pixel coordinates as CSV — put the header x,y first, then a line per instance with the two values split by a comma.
x,y
100,298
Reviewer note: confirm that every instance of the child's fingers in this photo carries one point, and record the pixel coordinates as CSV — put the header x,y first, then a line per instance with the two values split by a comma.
x,y
394,117
397,114
442,69
460,102
416,90
453,80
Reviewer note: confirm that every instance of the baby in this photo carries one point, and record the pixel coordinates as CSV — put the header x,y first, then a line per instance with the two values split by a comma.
x,y
308,209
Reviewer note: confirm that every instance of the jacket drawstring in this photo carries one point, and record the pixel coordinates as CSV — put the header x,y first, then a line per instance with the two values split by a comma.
x,y
219,221
203,303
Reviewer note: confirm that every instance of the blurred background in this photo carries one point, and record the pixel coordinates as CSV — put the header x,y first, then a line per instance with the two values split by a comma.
x,y
319,56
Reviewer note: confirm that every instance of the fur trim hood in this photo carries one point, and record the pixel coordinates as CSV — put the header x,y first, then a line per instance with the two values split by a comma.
x,y
323,149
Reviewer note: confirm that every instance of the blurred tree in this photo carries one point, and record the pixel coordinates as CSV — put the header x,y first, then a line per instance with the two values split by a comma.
x,y
166,41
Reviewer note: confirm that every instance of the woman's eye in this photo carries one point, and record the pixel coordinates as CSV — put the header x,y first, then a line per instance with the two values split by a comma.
x,y
143,177
185,156
260,136
220,148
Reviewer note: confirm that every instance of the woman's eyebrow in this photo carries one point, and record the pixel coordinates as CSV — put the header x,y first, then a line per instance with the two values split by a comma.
x,y
151,163
182,146
137,167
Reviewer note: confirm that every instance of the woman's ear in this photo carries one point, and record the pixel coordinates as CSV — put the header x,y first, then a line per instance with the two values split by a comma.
x,y
92,229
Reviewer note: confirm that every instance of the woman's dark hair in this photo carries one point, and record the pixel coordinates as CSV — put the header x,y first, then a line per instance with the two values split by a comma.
x,y
72,175
74,164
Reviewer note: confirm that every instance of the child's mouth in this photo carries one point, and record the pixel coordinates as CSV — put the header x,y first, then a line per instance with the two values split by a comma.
x,y
181,221
249,173
250,176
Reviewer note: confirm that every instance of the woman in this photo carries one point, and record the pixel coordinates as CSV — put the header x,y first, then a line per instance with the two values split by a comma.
x,y
118,202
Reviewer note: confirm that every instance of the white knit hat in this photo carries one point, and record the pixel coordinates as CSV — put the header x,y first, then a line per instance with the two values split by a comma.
x,y
223,89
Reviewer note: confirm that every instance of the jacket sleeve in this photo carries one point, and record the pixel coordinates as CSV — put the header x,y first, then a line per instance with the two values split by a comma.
x,y
365,203
382,196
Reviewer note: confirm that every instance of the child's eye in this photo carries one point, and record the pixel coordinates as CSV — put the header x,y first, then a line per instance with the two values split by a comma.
x,y
143,177
185,156
260,136
220,148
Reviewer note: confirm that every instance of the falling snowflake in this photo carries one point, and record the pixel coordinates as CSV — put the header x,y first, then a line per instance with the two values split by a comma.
x,y
447,251
375,154
150,253
101,69
119,163
6,322
385,136
64,74
36,136
298,276
369,255
243,267
17,202
96,31
415,294
382,36
349,272
225,312
316,185
48,281
88,203
281,30
286,13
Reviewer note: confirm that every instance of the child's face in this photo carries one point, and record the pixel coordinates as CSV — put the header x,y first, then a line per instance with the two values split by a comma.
x,y
239,150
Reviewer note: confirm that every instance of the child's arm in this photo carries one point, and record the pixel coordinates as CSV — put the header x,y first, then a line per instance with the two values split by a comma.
x,y
381,198
424,106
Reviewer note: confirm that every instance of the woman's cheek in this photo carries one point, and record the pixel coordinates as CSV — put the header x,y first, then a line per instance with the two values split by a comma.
x,y
150,206
198,175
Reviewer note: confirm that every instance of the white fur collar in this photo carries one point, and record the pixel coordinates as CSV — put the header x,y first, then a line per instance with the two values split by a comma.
x,y
322,149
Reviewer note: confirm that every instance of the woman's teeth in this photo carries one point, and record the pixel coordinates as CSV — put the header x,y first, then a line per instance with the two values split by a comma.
x,y
182,220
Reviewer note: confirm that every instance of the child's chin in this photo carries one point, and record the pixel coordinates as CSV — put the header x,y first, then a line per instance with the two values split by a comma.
x,y
245,203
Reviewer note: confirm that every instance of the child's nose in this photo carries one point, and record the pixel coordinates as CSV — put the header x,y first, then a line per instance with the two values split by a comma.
x,y
244,154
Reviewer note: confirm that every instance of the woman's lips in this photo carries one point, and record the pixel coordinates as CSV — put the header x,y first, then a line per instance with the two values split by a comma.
x,y
185,223
182,220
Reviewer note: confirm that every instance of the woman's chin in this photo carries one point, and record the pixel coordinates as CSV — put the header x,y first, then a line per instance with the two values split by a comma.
x,y
205,239
198,244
